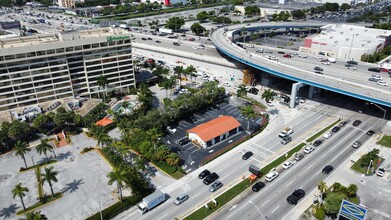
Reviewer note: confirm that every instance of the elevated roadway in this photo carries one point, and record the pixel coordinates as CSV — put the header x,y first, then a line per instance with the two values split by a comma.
x,y
340,80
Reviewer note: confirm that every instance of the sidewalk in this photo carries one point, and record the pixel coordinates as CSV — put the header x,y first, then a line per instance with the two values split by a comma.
x,y
345,175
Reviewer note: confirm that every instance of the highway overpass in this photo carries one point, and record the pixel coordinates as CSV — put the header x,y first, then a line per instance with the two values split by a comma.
x,y
340,80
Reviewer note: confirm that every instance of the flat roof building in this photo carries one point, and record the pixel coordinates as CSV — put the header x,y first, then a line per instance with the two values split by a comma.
x,y
347,41
44,68
214,131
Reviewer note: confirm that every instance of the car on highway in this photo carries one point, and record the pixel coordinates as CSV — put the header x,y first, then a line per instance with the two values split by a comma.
x,y
342,123
181,199
318,57
377,77
352,62
287,56
258,186
215,186
325,62
259,50
286,139
268,51
158,41
293,53
250,46
176,43
149,38
370,132
380,172
319,72
327,169
356,144
302,55
273,58
171,129
271,176
317,143
287,165
350,66
281,52
143,38
382,83
327,135
372,79
247,155
318,68
374,69
204,174
210,178
356,122
299,156
335,129
295,196
309,149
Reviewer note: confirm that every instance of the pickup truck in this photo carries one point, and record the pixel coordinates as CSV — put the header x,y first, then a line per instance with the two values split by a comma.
x,y
287,131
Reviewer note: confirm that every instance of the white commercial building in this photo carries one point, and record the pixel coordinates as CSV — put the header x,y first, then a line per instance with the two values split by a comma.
x,y
44,68
265,12
347,41
166,2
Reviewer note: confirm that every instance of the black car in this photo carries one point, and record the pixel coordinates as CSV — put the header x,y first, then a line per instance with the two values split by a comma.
x,y
352,62
247,155
158,41
149,38
210,178
176,43
318,68
356,122
258,186
204,174
374,69
190,119
370,132
318,72
143,38
317,143
327,169
296,196
335,129
253,91
281,52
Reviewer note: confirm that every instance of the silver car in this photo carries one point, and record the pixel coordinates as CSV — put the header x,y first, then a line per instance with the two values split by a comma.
x,y
181,199
215,186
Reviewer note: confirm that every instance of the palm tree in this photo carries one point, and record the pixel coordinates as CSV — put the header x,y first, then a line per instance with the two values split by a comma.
x,y
101,135
49,176
167,84
154,135
322,186
351,191
248,112
190,70
21,148
162,152
47,146
178,70
118,176
102,83
268,95
19,191
176,105
43,148
121,149
173,159
242,91
34,216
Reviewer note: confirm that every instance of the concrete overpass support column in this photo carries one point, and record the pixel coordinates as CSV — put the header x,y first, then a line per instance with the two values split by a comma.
x,y
311,92
295,88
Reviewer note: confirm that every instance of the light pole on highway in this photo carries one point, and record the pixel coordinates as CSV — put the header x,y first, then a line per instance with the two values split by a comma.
x,y
384,116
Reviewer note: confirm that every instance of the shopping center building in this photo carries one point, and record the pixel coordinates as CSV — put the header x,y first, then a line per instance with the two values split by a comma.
x,y
44,68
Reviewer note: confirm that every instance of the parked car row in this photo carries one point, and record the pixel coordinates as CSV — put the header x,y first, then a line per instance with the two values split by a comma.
x,y
209,178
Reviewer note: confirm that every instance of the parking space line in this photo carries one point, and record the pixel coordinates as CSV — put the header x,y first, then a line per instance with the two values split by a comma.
x,y
275,209
195,150
264,148
259,161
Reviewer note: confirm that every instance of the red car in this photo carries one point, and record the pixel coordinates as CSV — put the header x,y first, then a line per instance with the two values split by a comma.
x,y
191,39
150,61
287,56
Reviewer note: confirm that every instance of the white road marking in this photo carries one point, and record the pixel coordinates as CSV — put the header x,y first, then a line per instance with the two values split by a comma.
x,y
275,209
265,202
195,150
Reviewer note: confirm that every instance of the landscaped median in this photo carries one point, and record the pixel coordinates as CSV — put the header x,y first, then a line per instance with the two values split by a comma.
x,y
23,169
204,211
43,201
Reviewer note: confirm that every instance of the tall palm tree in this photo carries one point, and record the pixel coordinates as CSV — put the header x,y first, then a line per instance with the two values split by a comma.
x,y
322,186
173,159
154,135
242,90
176,105
119,177
49,176
351,191
34,216
21,148
19,191
248,112
178,70
100,134
190,70
44,148
167,84
102,83
268,95
121,149
47,146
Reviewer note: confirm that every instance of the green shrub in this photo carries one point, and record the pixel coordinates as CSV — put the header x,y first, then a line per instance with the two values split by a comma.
x,y
319,213
86,149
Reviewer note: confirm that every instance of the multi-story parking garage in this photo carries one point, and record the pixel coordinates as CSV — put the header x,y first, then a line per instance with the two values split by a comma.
x,y
38,69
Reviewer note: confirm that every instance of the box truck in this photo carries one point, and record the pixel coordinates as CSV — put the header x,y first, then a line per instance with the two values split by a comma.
x,y
151,201
165,30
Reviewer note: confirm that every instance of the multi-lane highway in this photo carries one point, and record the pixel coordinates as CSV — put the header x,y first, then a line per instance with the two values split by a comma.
x,y
270,202
230,167
373,93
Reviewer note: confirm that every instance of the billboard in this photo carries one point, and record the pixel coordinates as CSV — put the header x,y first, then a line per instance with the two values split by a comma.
x,y
352,211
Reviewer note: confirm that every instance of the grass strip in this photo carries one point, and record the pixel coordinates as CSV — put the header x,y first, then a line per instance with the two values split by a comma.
x,y
45,200
385,141
315,136
39,182
224,198
363,169
52,161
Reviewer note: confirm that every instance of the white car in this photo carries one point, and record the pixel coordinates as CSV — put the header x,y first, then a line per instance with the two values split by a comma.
x,y
326,62
328,135
380,172
171,129
318,57
293,53
309,149
227,84
273,58
259,50
271,176
250,46
382,83
302,55
377,77
287,165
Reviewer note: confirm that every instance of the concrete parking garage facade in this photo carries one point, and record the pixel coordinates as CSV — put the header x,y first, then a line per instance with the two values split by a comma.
x,y
44,68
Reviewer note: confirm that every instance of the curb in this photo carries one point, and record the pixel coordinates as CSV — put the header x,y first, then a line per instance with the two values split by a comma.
x,y
104,158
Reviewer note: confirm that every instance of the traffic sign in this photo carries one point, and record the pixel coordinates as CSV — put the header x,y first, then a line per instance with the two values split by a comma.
x,y
352,211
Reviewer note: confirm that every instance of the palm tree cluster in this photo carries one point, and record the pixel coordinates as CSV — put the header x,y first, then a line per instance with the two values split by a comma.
x,y
22,148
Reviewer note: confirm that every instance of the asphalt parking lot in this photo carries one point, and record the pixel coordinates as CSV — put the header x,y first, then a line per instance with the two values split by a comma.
x,y
193,155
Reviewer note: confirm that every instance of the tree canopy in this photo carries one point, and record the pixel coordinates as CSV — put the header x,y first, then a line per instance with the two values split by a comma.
x,y
175,23
197,28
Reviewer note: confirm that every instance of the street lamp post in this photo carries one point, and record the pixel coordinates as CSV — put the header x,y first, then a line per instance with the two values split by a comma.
x,y
384,116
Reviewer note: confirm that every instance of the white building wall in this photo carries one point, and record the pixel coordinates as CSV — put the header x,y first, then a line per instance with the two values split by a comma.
x,y
196,138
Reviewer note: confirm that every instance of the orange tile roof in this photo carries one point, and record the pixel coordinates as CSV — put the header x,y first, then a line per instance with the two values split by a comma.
x,y
104,122
215,127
